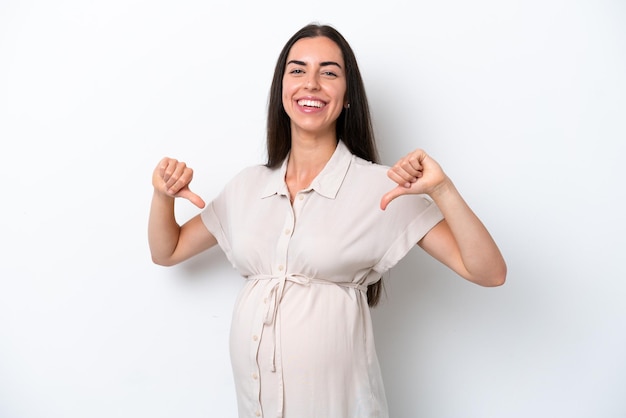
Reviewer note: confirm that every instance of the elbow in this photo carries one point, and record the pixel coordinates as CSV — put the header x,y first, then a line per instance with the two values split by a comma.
x,y
496,278
160,261
496,281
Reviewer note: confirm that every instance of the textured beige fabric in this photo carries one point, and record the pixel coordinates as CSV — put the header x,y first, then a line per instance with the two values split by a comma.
x,y
301,342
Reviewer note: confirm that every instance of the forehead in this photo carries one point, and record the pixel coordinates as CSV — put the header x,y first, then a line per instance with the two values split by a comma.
x,y
318,49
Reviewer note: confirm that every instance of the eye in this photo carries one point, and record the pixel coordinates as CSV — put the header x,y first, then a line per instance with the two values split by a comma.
x,y
296,71
329,74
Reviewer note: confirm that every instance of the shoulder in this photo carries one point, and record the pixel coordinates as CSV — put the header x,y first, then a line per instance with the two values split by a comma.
x,y
253,173
247,179
367,166
369,174
371,179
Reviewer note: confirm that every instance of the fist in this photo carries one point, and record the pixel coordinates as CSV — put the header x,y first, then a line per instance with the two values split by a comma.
x,y
415,173
172,177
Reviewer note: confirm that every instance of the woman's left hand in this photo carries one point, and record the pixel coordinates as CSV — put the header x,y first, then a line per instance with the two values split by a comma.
x,y
416,173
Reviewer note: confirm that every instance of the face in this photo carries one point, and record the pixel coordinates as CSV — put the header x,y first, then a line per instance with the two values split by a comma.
x,y
314,85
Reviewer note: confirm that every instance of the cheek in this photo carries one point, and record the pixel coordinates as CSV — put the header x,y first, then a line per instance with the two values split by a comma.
x,y
286,102
343,95
286,94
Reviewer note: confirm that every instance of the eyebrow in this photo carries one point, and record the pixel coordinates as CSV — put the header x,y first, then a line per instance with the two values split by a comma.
x,y
322,64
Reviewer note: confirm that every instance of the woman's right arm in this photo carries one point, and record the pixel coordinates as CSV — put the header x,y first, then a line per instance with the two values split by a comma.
x,y
169,242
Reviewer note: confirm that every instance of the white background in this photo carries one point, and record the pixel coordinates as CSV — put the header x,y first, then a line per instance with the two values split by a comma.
x,y
522,102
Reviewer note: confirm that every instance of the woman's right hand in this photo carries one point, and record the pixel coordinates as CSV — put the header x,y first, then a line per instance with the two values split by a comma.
x,y
172,177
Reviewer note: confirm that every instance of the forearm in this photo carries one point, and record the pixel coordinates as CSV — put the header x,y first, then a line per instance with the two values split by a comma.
x,y
480,256
163,230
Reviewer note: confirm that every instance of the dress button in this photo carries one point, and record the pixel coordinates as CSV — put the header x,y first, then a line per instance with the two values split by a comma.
x,y
287,231
255,338
301,197
255,376
257,413
281,267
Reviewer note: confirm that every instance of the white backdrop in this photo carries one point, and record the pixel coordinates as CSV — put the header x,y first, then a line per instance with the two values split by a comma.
x,y
522,102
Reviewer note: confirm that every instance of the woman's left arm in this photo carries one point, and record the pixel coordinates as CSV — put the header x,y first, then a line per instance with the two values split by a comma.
x,y
460,241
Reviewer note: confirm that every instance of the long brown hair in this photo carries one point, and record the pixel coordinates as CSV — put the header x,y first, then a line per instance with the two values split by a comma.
x,y
354,125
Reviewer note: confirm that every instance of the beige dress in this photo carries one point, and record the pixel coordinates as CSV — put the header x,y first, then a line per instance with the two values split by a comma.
x,y
301,340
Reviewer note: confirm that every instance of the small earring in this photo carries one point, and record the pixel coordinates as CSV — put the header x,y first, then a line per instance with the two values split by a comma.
x,y
348,106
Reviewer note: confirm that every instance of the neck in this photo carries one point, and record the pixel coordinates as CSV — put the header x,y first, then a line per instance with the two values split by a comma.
x,y
308,156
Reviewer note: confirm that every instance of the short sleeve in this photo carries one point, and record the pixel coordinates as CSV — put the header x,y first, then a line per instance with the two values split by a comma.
x,y
214,225
423,215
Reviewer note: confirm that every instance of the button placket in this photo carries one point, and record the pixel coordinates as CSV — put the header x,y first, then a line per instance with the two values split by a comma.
x,y
282,267
280,263
280,271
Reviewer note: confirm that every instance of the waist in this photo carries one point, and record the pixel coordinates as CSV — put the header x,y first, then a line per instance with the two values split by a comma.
x,y
306,280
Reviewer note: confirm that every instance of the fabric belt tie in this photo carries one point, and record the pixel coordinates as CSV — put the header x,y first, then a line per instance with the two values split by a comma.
x,y
273,300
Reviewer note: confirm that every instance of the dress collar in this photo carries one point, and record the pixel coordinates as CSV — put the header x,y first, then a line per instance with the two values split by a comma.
x,y
326,183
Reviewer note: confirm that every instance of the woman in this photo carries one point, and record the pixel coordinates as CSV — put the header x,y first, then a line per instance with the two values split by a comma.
x,y
312,231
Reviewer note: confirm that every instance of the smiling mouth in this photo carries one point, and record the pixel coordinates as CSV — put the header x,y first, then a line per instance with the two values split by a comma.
x,y
311,103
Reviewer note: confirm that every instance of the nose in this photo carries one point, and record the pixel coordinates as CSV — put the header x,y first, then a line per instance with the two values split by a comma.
x,y
312,83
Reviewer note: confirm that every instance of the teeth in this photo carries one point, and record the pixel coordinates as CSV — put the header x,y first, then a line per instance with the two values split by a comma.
x,y
310,103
